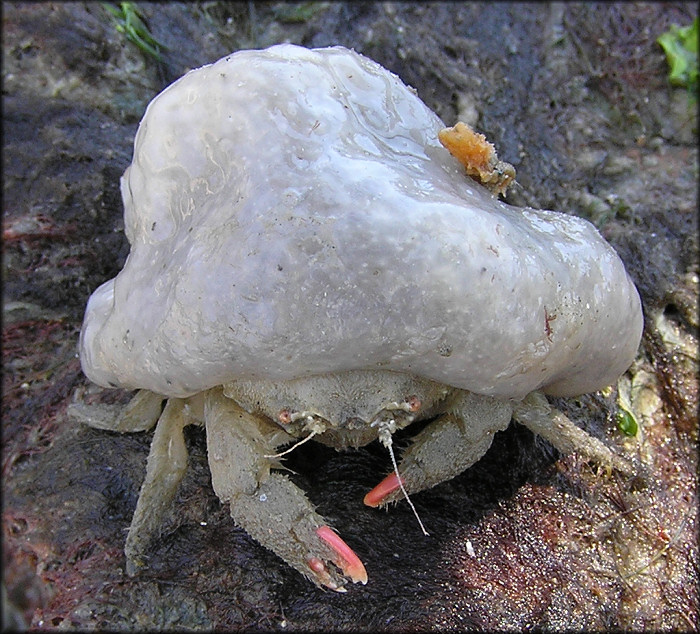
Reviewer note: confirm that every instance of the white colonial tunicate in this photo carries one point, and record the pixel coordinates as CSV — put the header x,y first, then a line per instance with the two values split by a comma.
x,y
291,213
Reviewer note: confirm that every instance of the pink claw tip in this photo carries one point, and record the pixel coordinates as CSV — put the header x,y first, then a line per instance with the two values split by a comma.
x,y
387,486
317,565
321,572
346,559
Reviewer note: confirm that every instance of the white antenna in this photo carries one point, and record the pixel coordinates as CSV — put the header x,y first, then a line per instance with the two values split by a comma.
x,y
293,447
386,440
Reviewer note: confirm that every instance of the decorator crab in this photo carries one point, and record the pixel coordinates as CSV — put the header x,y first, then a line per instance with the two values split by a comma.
x,y
308,261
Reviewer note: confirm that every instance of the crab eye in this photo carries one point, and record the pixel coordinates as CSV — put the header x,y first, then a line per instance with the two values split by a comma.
x,y
284,417
414,403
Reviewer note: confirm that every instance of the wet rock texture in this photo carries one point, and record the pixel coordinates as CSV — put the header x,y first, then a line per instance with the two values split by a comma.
x,y
576,98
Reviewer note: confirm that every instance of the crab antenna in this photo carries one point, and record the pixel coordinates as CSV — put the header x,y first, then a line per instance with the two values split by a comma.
x,y
294,446
386,440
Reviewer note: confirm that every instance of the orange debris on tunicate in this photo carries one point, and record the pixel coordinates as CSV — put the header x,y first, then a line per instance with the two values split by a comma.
x,y
478,156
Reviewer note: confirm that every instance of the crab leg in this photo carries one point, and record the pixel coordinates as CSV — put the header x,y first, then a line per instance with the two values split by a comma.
x,y
446,447
269,506
140,414
535,412
166,465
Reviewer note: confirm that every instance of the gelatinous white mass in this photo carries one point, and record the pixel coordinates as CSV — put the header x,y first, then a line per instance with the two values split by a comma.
x,y
291,213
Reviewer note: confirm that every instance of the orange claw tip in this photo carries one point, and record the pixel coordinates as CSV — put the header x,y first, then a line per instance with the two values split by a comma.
x,y
388,485
347,560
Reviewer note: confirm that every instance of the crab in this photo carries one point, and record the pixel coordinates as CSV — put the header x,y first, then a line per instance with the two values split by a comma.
x,y
247,422
309,262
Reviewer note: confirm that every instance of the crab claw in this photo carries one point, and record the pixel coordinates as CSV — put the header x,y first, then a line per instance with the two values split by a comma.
x,y
345,559
385,488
